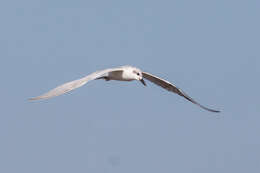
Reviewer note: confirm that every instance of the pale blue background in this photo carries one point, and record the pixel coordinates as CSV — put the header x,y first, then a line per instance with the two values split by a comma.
x,y
210,49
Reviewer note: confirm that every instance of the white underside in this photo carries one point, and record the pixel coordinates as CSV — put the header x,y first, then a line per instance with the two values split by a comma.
x,y
120,76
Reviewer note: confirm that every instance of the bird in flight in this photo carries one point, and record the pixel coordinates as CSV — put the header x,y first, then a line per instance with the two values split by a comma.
x,y
123,73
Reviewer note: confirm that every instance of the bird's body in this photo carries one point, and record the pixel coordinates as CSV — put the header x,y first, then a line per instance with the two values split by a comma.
x,y
123,73
118,75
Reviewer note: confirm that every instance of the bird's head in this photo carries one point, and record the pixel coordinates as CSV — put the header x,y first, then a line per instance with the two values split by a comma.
x,y
138,76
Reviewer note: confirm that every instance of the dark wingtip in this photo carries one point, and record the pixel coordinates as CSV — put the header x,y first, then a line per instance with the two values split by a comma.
x,y
215,111
211,110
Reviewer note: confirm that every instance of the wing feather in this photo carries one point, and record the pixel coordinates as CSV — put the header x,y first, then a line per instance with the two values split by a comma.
x,y
64,88
172,88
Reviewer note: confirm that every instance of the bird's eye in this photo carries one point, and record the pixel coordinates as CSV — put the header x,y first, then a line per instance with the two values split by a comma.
x,y
138,74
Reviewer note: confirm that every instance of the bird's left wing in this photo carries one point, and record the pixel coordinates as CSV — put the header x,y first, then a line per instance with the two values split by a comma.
x,y
64,88
170,87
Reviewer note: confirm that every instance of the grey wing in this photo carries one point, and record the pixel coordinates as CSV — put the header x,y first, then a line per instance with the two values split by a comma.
x,y
170,87
64,88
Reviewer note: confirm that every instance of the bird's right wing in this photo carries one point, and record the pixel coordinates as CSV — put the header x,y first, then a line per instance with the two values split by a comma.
x,y
64,88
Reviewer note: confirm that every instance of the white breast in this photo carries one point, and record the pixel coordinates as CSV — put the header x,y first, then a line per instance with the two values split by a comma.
x,y
125,75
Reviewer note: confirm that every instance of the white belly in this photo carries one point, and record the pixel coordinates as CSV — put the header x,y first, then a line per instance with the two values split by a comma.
x,y
119,75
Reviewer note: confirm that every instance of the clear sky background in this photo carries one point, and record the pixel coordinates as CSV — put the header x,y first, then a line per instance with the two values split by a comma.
x,y
210,49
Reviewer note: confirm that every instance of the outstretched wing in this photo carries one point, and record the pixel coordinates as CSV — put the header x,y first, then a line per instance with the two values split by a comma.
x,y
64,88
170,87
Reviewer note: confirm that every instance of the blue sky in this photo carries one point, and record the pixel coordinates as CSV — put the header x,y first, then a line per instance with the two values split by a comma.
x,y
210,49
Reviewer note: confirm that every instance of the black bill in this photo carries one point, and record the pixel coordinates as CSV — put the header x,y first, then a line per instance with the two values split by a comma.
x,y
143,82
